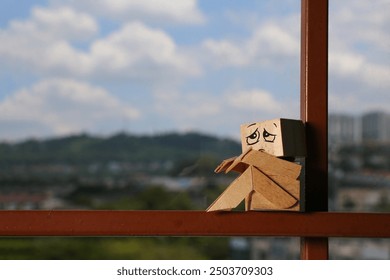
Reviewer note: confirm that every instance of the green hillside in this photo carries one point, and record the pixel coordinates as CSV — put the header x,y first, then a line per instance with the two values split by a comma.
x,y
85,149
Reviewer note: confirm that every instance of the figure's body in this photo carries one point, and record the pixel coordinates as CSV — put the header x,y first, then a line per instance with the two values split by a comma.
x,y
266,181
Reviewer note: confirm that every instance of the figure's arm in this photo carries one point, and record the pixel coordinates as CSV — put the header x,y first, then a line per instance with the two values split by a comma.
x,y
229,164
271,165
224,165
234,164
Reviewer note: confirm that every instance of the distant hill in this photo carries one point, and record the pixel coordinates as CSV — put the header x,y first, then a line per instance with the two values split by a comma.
x,y
85,149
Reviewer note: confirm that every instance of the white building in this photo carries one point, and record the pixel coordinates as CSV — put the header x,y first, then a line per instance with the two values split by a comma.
x,y
343,129
376,127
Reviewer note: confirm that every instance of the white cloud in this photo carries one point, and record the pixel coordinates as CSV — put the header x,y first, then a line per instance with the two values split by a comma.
x,y
220,115
254,100
60,58
135,51
355,67
352,103
224,52
62,23
270,42
62,106
275,40
359,58
355,22
42,42
186,111
189,106
345,63
161,11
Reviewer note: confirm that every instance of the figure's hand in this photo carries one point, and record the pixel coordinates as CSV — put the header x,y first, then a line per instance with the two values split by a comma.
x,y
230,164
234,163
224,165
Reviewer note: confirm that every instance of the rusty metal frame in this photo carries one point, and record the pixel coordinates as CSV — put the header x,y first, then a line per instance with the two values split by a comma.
x,y
314,112
314,227
192,223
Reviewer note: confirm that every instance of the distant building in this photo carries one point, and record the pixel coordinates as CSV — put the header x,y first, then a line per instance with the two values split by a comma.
x,y
29,201
24,201
343,129
376,127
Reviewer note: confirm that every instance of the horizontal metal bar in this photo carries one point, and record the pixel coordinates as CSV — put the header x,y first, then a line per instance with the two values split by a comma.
x,y
193,223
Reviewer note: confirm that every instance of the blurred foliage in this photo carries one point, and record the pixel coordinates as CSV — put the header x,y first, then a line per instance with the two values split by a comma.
x,y
149,197
383,205
100,173
153,197
85,149
127,248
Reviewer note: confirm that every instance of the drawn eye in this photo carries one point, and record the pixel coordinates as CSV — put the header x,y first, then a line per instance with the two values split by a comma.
x,y
253,138
268,137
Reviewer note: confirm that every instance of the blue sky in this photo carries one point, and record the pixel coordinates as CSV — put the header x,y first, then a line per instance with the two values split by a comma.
x,y
152,66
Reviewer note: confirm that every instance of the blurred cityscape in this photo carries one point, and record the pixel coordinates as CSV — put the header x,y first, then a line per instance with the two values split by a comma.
x,y
359,177
175,171
359,162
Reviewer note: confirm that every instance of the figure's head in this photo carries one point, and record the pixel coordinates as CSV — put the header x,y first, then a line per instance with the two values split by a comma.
x,y
278,137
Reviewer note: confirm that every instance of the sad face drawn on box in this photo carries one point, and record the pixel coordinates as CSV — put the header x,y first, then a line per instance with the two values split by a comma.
x,y
267,182
277,137
260,136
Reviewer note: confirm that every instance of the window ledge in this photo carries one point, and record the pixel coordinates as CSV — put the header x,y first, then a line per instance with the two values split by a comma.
x,y
193,223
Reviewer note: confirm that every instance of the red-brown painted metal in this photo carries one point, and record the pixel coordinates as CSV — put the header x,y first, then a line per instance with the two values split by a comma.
x,y
192,223
314,112
314,248
315,226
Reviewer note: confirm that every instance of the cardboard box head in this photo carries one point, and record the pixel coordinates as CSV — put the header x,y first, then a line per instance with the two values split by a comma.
x,y
278,137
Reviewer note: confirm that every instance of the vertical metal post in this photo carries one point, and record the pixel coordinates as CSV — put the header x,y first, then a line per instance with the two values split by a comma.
x,y
314,112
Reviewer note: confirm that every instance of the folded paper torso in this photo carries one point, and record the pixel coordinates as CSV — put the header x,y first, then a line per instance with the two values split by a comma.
x,y
266,183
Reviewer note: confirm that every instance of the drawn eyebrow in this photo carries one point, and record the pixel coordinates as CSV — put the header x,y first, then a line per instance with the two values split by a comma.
x,y
251,124
275,125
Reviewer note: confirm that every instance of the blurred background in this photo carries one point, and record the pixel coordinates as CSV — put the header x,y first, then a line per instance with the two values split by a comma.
x,y
132,104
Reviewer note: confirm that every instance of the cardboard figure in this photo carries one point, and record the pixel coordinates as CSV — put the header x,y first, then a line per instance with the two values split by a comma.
x,y
268,181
